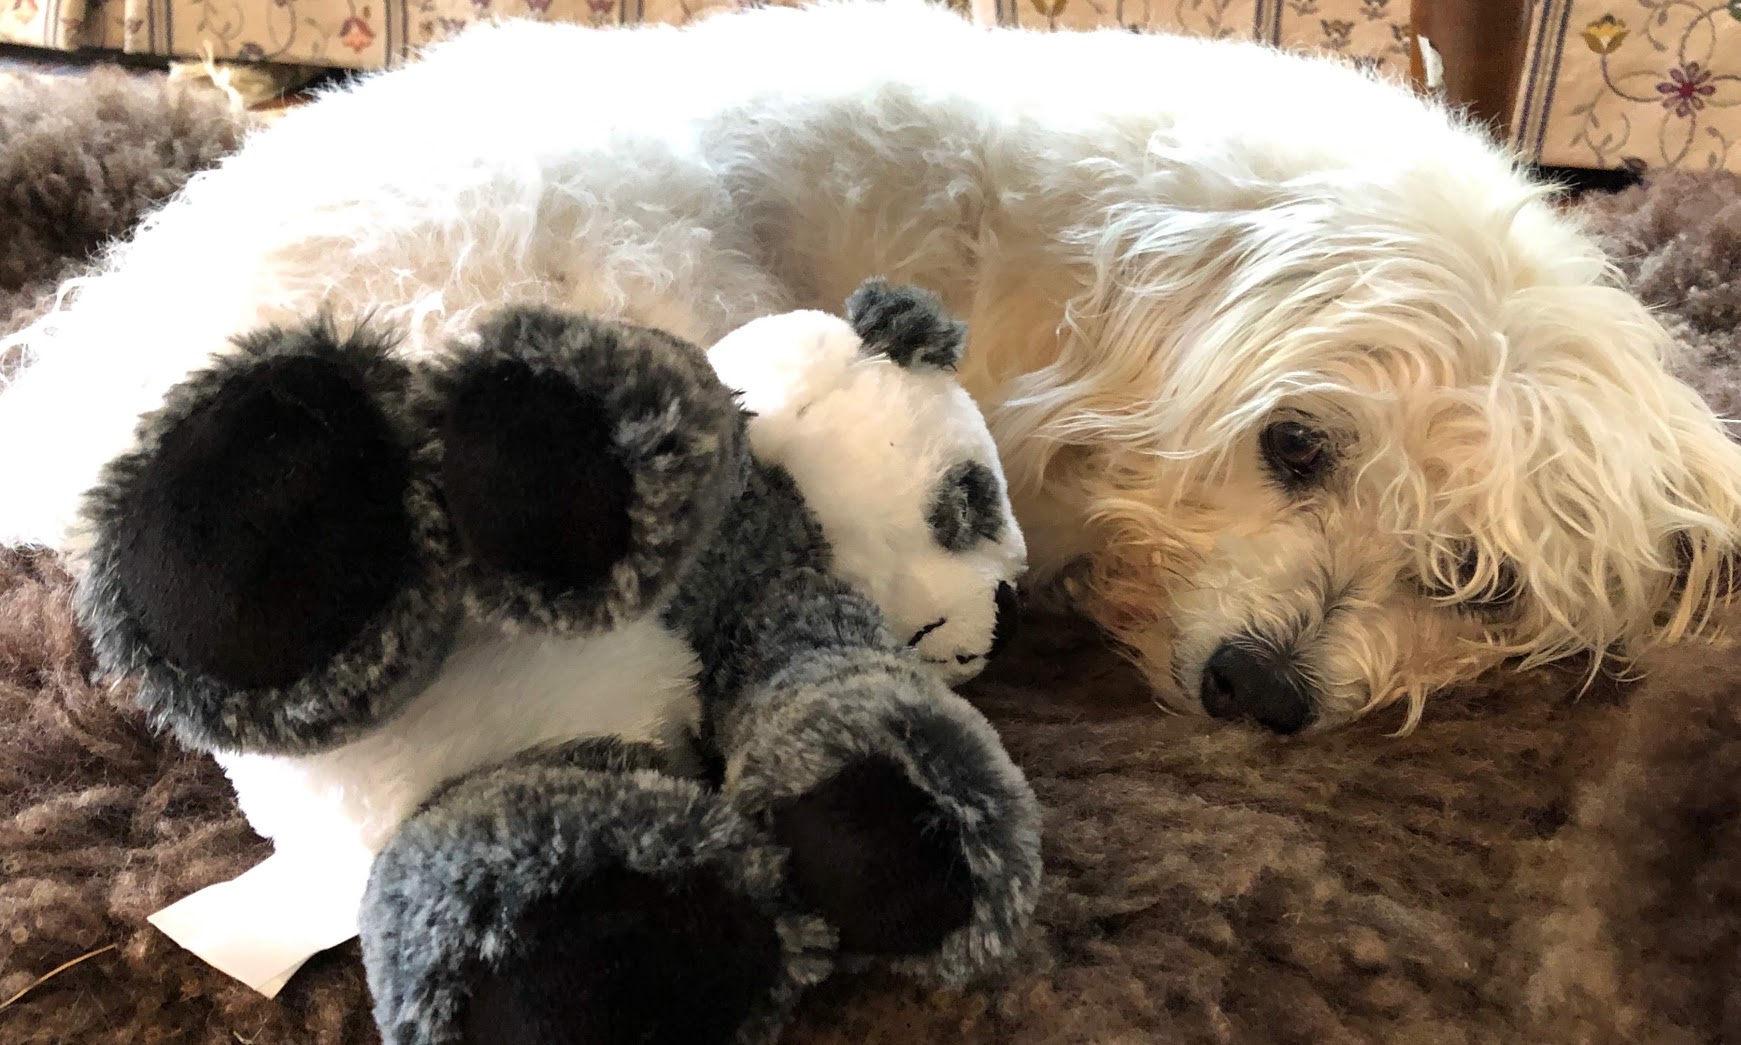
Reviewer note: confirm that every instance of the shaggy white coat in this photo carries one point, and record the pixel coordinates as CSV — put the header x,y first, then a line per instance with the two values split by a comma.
x,y
1161,245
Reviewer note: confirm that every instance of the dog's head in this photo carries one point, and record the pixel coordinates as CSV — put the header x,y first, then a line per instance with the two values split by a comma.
x,y
1344,443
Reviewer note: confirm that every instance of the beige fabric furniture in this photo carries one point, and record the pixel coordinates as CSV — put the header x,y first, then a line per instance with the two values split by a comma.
x,y
1582,83
1370,32
1597,84
368,34
1632,83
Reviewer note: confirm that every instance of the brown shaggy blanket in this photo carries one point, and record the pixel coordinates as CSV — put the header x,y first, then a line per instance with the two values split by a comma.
x,y
1527,867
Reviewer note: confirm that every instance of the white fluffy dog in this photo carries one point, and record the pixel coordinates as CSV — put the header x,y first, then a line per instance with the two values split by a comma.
x,y
1305,393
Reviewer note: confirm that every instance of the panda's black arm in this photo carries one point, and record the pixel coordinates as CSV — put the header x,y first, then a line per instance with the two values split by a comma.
x,y
760,594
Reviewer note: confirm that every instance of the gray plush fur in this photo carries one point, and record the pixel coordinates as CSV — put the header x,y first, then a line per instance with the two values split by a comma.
x,y
446,895
766,534
799,679
677,432
804,724
907,324
366,681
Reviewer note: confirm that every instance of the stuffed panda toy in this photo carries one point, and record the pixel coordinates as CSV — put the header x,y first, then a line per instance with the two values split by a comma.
x,y
598,685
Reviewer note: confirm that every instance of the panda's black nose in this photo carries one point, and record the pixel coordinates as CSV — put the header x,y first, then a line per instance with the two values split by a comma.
x,y
1009,612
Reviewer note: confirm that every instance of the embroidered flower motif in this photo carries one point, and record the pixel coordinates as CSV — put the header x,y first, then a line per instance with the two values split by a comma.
x,y
1606,34
356,34
1374,10
1338,33
601,8
538,6
24,10
1050,9
1686,89
481,5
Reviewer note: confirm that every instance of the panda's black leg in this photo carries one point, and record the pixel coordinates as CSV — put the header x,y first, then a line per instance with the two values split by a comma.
x,y
253,552
533,484
583,899
875,855
584,464
907,827
269,523
623,956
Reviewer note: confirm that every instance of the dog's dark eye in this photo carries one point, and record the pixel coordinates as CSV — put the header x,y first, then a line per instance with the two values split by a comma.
x,y
1500,590
1297,453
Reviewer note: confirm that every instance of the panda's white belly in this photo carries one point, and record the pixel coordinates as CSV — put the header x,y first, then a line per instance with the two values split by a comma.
x,y
496,696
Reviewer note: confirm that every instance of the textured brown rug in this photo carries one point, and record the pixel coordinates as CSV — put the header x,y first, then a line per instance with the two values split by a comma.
x,y
1525,868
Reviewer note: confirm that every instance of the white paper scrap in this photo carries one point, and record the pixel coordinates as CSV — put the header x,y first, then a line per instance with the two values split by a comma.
x,y
261,926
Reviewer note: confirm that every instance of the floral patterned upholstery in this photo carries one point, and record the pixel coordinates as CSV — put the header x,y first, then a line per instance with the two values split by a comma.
x,y
1602,84
1632,83
375,33
1371,32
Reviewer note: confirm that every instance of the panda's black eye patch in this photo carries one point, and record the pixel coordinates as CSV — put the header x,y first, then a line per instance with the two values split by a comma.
x,y
966,508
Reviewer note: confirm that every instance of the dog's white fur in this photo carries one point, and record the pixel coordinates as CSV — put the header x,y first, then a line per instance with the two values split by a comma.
x,y
1161,245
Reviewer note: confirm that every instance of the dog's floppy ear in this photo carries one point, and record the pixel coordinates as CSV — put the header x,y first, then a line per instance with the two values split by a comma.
x,y
1706,569
907,324
1705,553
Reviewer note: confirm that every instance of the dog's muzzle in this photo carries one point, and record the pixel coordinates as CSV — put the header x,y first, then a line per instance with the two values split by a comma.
x,y
1249,680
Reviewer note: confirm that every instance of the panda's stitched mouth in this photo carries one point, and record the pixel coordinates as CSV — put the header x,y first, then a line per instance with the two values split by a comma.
x,y
926,630
963,659
960,658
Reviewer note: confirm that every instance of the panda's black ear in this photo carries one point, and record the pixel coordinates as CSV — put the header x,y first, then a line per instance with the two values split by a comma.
x,y
907,324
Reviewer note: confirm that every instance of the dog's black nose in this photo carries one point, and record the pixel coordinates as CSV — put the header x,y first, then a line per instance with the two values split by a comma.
x,y
1242,681
1009,611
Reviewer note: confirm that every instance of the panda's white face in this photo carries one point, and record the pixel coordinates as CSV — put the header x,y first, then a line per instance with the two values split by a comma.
x,y
898,466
